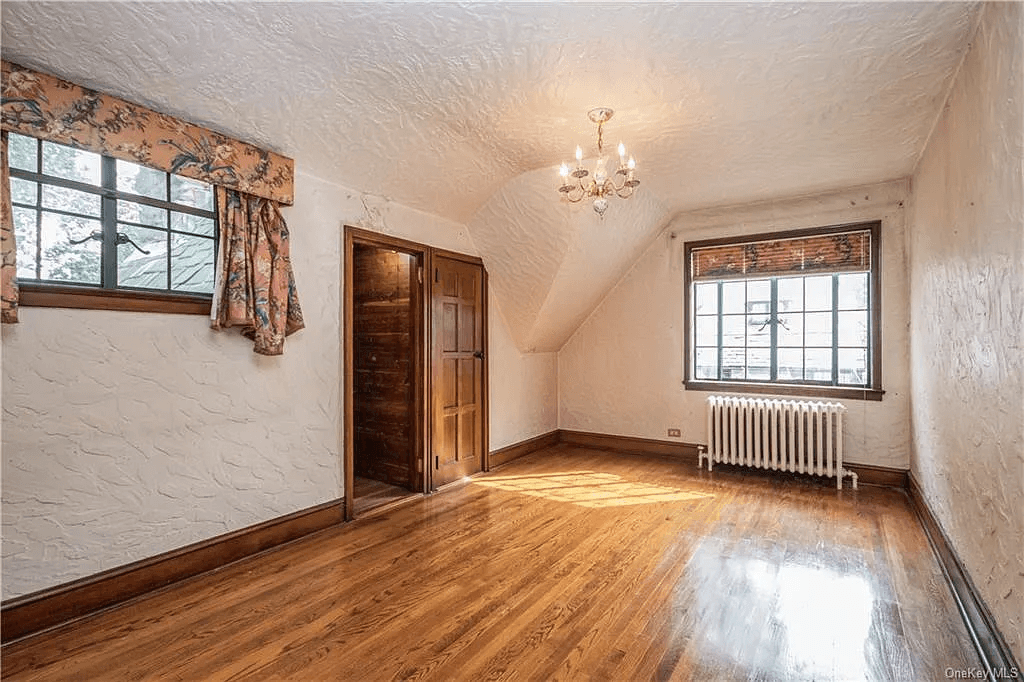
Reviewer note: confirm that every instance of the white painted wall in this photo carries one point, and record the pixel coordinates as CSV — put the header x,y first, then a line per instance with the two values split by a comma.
x,y
523,386
967,301
130,434
126,434
621,372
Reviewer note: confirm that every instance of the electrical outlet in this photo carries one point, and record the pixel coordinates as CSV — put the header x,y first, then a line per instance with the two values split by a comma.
x,y
675,433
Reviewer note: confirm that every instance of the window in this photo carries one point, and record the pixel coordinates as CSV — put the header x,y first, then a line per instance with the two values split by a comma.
x,y
91,227
788,313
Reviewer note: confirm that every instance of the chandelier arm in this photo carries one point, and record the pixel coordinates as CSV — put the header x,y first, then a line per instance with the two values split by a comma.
x,y
574,197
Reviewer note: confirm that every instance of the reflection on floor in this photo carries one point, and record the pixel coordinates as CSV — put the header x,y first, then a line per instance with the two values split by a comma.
x,y
589,489
568,564
369,494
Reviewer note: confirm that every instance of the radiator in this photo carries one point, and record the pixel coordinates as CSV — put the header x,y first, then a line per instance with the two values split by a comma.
x,y
784,435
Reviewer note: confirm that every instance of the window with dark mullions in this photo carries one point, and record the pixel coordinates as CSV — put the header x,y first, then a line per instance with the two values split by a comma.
x,y
792,313
86,220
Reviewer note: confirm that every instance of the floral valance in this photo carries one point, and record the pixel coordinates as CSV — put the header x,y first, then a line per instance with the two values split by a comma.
x,y
47,107
836,252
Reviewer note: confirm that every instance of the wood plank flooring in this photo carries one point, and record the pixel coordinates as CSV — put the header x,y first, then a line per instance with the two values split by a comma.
x,y
568,564
369,494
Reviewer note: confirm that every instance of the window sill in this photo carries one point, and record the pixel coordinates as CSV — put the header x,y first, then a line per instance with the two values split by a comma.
x,y
93,298
801,390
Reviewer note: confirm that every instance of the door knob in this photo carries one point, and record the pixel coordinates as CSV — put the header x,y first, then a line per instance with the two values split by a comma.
x,y
478,354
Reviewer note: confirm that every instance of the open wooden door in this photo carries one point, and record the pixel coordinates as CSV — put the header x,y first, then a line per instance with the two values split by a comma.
x,y
458,330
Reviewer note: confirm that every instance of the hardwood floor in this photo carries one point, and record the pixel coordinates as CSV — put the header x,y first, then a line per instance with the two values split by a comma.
x,y
567,564
369,494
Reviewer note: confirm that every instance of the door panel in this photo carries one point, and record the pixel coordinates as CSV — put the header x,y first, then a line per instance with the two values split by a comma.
x,y
457,310
467,435
467,329
448,449
450,327
449,383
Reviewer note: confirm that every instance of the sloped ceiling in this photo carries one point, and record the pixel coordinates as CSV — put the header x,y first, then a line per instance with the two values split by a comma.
x,y
465,110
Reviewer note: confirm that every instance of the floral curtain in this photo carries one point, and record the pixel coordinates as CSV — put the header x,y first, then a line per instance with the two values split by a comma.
x,y
255,287
8,252
44,106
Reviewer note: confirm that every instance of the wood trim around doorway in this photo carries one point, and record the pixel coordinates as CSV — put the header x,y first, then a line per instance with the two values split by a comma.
x,y
354,236
425,255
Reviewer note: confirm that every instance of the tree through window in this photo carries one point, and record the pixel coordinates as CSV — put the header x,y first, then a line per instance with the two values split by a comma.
x,y
90,220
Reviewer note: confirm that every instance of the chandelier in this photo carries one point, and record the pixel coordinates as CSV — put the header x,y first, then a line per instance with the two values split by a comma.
x,y
600,185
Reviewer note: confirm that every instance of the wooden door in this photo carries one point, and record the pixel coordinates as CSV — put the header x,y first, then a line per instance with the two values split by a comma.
x,y
457,312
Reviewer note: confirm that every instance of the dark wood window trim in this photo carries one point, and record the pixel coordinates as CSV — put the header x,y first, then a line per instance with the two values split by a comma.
x,y
873,392
37,295
803,390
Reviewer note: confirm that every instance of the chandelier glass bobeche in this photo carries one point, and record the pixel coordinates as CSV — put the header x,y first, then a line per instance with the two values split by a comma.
x,y
600,185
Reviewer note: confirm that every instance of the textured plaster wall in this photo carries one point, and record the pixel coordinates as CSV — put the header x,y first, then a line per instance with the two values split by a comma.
x,y
621,372
126,435
550,262
967,304
523,386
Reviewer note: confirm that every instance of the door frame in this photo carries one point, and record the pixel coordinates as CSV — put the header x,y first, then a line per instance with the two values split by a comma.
x,y
423,360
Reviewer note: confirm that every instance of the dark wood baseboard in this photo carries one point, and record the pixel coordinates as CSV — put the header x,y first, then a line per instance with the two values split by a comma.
x,y
869,474
630,444
32,613
993,649
522,448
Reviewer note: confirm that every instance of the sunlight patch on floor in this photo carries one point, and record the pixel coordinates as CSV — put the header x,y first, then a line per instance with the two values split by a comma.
x,y
589,489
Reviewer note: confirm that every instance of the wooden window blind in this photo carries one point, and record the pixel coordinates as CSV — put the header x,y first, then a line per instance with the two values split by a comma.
x,y
848,251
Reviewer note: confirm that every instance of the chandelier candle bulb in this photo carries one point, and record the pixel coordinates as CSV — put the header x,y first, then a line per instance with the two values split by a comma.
x,y
622,153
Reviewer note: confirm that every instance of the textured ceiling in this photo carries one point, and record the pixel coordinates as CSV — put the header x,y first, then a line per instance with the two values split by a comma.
x,y
465,110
